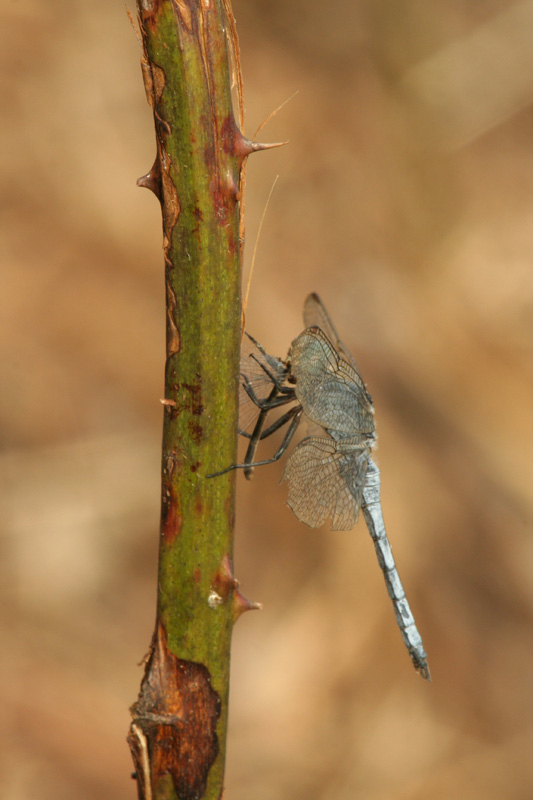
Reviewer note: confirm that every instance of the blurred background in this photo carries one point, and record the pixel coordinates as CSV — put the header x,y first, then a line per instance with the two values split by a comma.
x,y
405,199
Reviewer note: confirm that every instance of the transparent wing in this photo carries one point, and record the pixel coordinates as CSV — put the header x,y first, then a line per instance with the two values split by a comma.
x,y
330,390
326,479
315,313
255,365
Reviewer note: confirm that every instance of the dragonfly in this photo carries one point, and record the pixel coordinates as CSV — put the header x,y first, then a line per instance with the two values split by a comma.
x,y
330,475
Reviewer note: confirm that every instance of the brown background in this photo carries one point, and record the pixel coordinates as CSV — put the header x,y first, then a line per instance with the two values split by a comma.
x,y
405,199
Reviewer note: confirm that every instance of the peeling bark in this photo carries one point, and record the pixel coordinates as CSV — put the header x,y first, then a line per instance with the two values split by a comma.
x,y
176,717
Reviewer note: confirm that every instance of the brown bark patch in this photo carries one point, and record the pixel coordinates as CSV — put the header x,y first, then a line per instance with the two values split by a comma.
x,y
177,711
171,518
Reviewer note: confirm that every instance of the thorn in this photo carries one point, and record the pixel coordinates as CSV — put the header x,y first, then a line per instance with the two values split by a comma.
x,y
256,146
244,147
223,584
241,604
165,402
152,180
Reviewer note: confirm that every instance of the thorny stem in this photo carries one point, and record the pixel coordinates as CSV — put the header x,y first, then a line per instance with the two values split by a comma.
x,y
178,732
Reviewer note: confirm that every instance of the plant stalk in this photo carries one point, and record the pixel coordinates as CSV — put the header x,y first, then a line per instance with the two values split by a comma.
x,y
178,731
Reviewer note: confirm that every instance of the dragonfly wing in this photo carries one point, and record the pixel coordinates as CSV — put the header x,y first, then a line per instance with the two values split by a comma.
x,y
315,313
255,365
331,392
326,479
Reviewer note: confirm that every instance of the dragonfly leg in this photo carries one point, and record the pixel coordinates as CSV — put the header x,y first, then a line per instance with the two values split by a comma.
x,y
259,434
279,423
273,400
256,433
277,455
277,369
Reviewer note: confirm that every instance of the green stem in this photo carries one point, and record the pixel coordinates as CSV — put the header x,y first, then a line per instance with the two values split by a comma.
x,y
178,732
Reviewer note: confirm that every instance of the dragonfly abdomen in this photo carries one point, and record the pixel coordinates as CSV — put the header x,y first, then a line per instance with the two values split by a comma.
x,y
404,617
